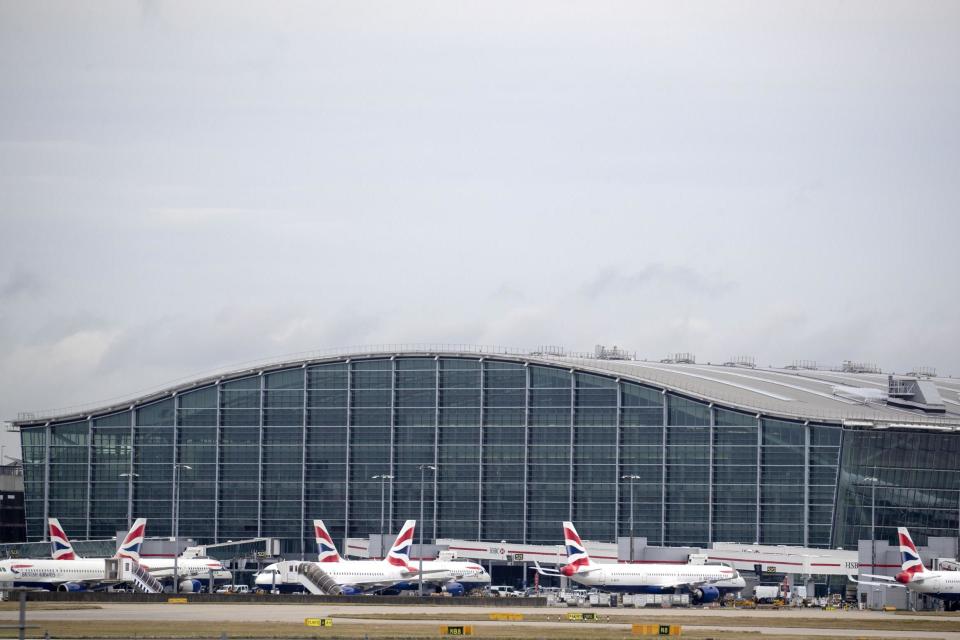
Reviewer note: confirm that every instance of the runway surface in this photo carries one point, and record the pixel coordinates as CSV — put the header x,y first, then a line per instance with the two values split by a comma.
x,y
295,613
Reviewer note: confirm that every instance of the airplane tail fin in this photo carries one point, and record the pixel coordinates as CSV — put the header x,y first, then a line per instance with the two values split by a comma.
x,y
60,546
326,550
399,555
576,553
909,556
130,547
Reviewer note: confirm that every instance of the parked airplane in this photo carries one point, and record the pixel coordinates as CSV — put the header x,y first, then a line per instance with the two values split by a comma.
x,y
913,576
704,582
353,576
192,570
69,574
453,576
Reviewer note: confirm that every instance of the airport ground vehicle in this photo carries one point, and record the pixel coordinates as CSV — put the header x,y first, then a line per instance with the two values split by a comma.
x,y
233,588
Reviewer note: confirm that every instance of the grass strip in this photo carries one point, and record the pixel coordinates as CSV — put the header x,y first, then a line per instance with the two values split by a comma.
x,y
156,630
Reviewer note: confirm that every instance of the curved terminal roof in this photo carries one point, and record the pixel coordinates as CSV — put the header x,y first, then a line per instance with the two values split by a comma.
x,y
805,394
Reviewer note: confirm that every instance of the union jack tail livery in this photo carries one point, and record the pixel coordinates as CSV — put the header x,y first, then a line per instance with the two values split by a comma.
x,y
130,547
326,550
399,555
912,564
60,547
576,553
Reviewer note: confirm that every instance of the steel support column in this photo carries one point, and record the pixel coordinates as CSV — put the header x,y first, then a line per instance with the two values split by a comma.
x,y
480,453
391,463
46,481
219,463
806,483
436,438
303,464
619,443
175,458
663,468
526,453
712,478
260,461
573,401
133,430
759,470
346,467
89,476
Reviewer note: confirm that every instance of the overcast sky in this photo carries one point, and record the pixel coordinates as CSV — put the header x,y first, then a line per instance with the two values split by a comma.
x,y
186,185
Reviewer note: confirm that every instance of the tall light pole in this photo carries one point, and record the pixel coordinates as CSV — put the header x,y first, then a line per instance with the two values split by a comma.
x,y
176,522
130,476
381,478
631,478
423,468
873,480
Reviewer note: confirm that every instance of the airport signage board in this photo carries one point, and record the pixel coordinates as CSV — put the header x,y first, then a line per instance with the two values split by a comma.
x,y
507,617
579,617
318,622
656,630
457,630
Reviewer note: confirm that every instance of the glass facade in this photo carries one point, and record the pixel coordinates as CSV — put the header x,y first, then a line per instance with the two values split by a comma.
x,y
917,485
517,447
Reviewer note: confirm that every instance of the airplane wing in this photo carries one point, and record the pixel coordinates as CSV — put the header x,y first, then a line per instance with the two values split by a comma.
x,y
875,577
426,572
691,583
382,583
544,572
887,581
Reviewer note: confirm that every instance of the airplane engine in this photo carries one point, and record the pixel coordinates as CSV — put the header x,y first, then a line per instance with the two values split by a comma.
x,y
705,595
454,588
191,586
71,586
351,591
405,586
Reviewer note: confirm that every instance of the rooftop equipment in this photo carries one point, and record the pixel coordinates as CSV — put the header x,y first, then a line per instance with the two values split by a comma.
x,y
611,353
859,367
810,365
914,393
680,358
549,350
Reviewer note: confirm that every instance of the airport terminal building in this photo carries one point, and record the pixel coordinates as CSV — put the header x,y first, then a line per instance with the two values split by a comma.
x,y
519,441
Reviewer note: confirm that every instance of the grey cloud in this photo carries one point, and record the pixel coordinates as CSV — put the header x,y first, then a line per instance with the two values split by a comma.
x,y
20,283
653,278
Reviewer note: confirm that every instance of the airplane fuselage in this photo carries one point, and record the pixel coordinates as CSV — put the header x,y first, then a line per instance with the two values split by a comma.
x,y
361,574
937,584
658,578
49,574
196,568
